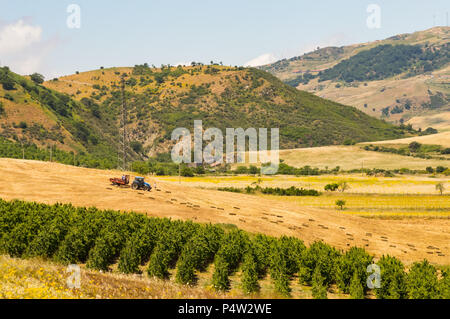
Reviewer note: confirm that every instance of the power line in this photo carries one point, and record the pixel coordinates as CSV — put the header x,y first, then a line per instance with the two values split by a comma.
x,y
123,145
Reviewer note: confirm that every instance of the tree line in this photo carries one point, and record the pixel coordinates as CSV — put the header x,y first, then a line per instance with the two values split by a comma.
x,y
160,246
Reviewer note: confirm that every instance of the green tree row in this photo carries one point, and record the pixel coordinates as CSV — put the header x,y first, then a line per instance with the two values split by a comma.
x,y
136,243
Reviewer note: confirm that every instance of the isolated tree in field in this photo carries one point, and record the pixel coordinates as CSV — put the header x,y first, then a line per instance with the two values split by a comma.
x,y
440,187
319,290
331,187
37,78
343,186
414,146
253,170
340,203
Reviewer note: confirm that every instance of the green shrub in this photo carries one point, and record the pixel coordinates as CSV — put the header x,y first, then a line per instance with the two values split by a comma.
x,y
356,288
422,281
250,273
318,256
393,279
198,252
331,187
229,255
353,263
319,290
444,285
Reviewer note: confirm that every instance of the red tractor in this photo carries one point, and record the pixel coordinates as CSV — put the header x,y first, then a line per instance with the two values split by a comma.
x,y
124,181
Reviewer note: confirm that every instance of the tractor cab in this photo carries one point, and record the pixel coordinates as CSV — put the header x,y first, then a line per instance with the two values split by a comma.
x,y
139,183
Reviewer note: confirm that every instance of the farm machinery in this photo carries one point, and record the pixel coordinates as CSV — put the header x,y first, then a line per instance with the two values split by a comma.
x,y
123,181
139,183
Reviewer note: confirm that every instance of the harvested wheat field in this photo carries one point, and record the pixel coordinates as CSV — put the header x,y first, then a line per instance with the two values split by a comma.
x,y
408,239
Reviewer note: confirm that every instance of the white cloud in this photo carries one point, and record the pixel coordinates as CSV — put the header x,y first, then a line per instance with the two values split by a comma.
x,y
18,36
22,47
262,60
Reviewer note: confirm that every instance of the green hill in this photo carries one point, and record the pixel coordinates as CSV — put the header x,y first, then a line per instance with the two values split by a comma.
x,y
81,113
402,79
41,119
160,100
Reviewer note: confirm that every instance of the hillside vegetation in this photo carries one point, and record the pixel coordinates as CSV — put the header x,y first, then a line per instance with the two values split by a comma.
x,y
402,79
162,99
45,121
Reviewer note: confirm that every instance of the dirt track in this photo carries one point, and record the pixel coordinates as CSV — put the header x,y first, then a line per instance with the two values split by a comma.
x,y
408,239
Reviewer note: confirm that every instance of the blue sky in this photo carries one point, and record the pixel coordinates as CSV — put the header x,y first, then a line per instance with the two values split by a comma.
x,y
34,35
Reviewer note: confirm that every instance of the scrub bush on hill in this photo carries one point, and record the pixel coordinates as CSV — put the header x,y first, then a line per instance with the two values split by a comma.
x,y
10,149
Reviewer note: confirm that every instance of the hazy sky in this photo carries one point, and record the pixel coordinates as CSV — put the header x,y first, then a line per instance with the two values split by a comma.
x,y
35,37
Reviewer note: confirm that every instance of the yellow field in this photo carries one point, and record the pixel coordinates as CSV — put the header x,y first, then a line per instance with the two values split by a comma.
x,y
404,196
380,205
358,183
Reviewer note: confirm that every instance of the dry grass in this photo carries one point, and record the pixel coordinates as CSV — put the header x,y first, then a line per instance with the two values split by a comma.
x,y
39,279
353,157
442,139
